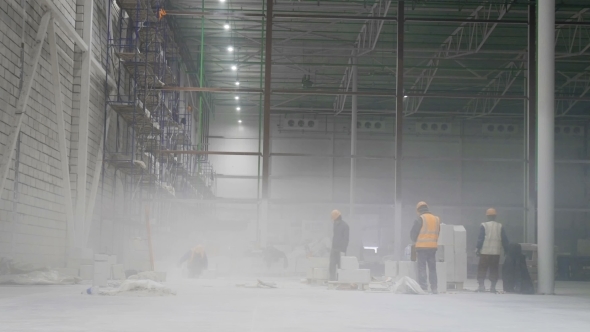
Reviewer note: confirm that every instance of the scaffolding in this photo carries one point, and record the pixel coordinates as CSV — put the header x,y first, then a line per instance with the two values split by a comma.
x,y
142,57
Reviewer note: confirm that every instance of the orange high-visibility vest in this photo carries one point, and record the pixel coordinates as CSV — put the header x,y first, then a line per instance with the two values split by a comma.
x,y
428,237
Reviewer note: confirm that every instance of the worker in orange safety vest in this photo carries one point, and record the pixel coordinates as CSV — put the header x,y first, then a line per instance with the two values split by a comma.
x,y
425,234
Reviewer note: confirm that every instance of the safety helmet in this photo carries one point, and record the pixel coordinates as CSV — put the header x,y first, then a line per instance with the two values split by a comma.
x,y
491,212
335,214
421,204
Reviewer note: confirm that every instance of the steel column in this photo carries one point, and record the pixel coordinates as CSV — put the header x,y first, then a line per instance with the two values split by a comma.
x,y
530,132
21,104
201,58
267,93
399,115
546,145
353,134
61,132
84,124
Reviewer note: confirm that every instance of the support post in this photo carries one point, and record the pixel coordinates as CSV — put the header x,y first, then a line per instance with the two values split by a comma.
x,y
21,104
530,132
353,134
399,116
84,125
96,178
201,59
545,147
267,87
61,132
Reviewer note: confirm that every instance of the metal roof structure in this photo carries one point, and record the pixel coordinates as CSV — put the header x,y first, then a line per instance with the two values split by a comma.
x,y
462,57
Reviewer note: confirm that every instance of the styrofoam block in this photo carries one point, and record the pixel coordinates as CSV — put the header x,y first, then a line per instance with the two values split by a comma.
x,y
349,263
446,236
101,257
86,272
101,273
209,274
407,269
313,262
321,273
112,259
460,242
361,276
460,273
118,272
391,269
441,274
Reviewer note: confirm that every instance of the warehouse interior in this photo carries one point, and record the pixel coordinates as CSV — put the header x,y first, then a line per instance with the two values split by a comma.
x,y
138,134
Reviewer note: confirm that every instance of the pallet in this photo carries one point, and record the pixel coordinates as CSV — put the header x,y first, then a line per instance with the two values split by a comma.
x,y
455,286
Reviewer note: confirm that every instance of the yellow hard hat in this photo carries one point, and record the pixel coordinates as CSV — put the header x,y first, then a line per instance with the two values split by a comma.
x,y
491,212
335,214
420,205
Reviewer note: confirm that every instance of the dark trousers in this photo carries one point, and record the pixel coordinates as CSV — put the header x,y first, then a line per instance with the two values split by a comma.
x,y
427,257
488,262
334,264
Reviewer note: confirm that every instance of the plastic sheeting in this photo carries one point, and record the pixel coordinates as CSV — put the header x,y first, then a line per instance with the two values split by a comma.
x,y
139,288
13,272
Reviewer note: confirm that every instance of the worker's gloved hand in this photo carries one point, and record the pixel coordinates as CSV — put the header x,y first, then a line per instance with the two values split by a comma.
x,y
477,253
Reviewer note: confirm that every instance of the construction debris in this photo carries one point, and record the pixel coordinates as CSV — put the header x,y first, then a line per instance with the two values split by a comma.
x,y
258,284
139,288
16,273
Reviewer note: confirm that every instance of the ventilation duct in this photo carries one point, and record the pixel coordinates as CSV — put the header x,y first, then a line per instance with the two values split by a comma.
x,y
569,130
370,126
307,124
500,129
433,128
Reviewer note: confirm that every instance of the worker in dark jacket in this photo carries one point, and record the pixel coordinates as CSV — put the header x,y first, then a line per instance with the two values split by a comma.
x,y
425,234
490,242
196,261
339,242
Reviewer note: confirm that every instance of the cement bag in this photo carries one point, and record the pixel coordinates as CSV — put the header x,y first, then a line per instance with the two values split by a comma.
x,y
407,285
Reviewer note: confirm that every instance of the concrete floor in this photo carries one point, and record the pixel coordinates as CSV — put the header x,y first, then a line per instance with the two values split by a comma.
x,y
218,305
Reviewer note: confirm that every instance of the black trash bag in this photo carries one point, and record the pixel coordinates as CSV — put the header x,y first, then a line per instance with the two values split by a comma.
x,y
515,273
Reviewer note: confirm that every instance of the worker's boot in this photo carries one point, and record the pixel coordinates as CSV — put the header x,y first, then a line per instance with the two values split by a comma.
x,y
493,288
482,287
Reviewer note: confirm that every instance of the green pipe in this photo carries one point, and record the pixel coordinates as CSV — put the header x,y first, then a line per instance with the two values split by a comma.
x,y
202,56
260,100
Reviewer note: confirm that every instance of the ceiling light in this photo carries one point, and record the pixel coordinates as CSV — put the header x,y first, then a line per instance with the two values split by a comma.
x,y
221,0
238,108
239,121
405,96
230,49
226,26
238,83
234,67
237,97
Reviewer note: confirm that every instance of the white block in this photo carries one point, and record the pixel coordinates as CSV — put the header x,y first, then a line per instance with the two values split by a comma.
x,y
460,242
112,259
101,273
313,262
320,273
86,272
349,263
118,272
460,273
101,258
446,236
391,269
309,273
360,276
441,274
407,269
